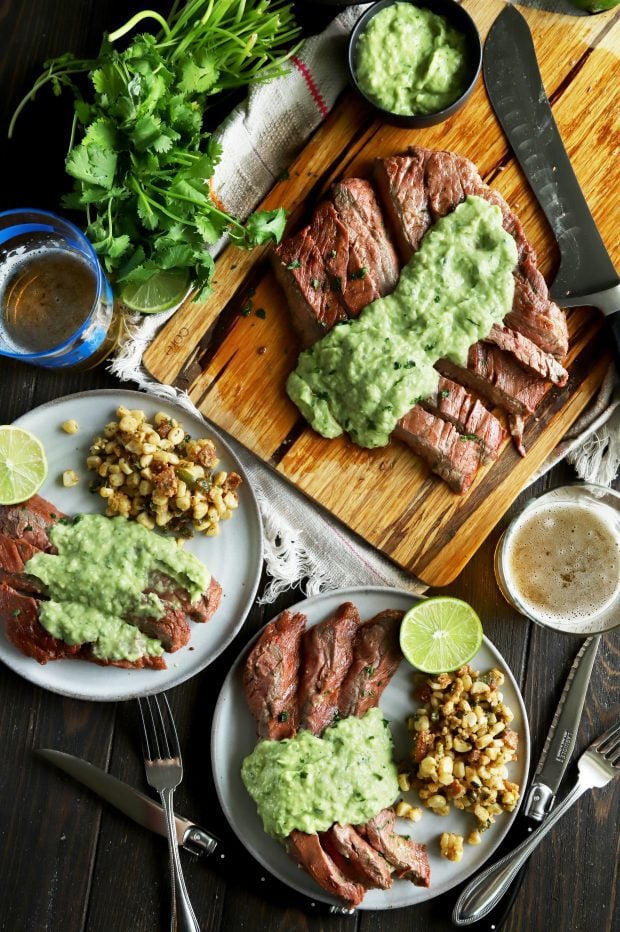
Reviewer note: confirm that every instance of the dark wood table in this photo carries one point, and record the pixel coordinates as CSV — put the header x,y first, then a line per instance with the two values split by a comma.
x,y
67,862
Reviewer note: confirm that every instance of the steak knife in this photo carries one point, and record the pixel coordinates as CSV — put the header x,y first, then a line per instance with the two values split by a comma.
x,y
148,813
586,275
556,753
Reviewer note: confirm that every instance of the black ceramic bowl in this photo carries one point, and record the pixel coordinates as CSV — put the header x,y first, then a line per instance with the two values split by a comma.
x,y
460,20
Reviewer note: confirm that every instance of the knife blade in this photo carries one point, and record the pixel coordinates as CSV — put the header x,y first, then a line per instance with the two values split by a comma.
x,y
556,753
586,275
148,813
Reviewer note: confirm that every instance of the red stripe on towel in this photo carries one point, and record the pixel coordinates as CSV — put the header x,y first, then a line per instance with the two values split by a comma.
x,y
316,94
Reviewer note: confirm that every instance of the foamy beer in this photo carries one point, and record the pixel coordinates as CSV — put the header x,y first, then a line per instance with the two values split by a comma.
x,y
558,562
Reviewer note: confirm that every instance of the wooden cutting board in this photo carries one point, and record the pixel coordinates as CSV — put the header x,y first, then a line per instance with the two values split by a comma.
x,y
234,351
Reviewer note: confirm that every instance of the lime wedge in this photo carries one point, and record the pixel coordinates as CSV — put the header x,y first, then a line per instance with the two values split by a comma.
x,y
160,292
440,634
23,464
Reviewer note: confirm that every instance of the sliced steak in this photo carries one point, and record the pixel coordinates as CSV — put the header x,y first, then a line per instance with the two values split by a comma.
x,y
358,208
270,677
528,354
171,628
376,656
301,271
176,596
344,258
359,860
400,180
498,377
451,455
20,615
306,851
30,521
424,185
408,857
454,403
327,652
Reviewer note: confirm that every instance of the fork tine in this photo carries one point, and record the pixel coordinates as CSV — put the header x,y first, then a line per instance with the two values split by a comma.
x,y
609,740
172,738
161,740
144,715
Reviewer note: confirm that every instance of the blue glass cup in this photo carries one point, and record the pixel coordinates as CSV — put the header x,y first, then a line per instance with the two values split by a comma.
x,y
56,304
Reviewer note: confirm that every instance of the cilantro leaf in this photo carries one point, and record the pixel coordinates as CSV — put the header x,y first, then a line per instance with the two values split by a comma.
x,y
92,164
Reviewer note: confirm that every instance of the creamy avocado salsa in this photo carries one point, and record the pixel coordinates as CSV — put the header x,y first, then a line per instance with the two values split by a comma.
x,y
308,783
367,373
98,579
410,61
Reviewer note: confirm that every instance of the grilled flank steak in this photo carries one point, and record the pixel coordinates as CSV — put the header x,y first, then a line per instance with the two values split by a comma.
x,y
295,681
24,533
344,259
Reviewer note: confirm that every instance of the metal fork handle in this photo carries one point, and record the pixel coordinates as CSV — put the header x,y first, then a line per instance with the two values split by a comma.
x,y
183,918
485,892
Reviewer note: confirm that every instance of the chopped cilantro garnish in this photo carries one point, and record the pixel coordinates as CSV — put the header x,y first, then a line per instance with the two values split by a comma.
x,y
295,264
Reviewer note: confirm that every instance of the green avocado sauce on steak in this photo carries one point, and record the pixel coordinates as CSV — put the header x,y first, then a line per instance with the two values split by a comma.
x,y
365,374
98,578
348,775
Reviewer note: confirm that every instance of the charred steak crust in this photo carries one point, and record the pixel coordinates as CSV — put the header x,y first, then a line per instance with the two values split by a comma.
x,y
270,677
327,652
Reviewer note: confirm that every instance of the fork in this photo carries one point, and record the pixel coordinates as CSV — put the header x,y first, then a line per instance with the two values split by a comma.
x,y
597,766
164,772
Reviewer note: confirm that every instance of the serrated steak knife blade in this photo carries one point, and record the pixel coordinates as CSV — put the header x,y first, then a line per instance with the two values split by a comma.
x,y
586,274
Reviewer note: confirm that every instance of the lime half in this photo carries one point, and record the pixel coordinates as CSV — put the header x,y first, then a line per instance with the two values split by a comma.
x,y
23,464
160,292
440,634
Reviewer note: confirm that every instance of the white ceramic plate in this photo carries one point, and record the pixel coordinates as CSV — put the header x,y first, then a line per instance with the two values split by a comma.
x,y
234,557
234,736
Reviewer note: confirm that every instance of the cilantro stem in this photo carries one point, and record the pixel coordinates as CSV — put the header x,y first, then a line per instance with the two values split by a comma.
x,y
129,25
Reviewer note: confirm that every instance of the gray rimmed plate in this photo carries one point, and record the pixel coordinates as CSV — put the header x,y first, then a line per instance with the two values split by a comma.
x,y
234,557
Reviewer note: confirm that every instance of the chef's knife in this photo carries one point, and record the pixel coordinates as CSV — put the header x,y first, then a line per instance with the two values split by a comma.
x,y
586,274
556,753
146,812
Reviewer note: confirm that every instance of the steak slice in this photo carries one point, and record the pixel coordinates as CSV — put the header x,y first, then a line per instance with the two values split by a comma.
x,y
357,858
176,596
339,246
451,455
270,677
30,521
327,651
301,271
171,628
306,851
454,403
376,656
528,354
424,185
358,208
20,614
408,857
498,377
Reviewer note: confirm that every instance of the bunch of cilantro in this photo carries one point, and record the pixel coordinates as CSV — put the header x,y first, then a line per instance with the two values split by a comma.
x,y
143,166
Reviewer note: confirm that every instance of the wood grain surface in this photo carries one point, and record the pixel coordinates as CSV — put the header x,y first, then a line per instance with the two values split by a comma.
x,y
235,364
69,863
